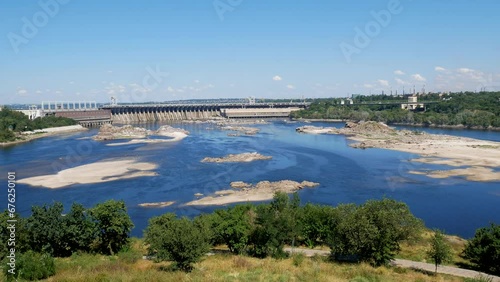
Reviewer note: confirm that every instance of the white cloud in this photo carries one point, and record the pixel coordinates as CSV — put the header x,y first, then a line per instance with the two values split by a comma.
x,y
400,81
465,70
399,72
289,86
196,81
418,77
110,71
38,91
71,82
383,83
21,91
367,85
277,78
438,68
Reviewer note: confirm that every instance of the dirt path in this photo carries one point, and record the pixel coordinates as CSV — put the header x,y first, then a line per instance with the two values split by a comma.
x,y
428,267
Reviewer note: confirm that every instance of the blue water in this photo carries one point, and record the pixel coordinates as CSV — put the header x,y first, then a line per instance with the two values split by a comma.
x,y
346,175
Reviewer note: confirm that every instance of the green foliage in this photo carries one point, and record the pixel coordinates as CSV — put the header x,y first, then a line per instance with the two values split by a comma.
x,y
180,240
235,227
373,231
13,121
440,251
484,249
20,234
31,266
154,233
276,224
298,259
316,221
49,231
113,226
468,109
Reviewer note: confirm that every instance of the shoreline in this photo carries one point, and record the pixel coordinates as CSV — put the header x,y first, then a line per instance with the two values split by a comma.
x,y
41,133
474,159
418,125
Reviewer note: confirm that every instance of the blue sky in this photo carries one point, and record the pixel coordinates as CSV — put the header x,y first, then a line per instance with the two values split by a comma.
x,y
185,49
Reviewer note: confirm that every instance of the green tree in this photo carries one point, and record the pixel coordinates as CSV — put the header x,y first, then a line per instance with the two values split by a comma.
x,y
484,249
373,231
276,224
179,240
113,226
440,251
46,230
235,227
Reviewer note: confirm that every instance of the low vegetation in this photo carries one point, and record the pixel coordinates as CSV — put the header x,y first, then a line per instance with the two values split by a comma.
x,y
248,242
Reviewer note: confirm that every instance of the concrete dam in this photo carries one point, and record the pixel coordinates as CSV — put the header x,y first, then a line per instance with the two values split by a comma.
x,y
172,112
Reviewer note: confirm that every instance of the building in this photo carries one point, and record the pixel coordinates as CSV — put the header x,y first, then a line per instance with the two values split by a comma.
x,y
413,104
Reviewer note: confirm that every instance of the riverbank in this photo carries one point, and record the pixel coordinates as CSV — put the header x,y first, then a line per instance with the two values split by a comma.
x,y
417,125
477,159
28,136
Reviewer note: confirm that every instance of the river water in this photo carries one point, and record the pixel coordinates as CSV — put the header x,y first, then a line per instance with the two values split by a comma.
x,y
346,175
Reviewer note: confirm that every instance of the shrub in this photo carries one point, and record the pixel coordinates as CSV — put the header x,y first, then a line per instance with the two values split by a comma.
x,y
180,240
484,249
32,266
297,259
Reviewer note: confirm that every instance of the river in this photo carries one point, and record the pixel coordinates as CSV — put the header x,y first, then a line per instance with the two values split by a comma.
x,y
346,175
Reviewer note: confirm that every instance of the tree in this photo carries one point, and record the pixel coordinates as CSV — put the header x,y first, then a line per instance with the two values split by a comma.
x,y
373,231
179,240
46,231
440,251
276,224
484,249
235,227
113,226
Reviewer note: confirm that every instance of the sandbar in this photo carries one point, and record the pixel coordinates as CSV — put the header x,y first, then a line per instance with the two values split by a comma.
x,y
243,157
246,192
477,158
99,172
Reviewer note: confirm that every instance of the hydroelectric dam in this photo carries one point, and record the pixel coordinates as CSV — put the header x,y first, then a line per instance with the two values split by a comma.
x,y
89,114
172,112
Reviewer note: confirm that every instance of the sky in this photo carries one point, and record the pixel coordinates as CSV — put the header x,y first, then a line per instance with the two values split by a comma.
x,y
161,50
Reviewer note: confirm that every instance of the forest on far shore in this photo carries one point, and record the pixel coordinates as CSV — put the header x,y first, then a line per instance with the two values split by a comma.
x,y
468,109
13,122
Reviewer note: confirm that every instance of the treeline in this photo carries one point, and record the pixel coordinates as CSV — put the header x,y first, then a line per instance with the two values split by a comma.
x,y
12,122
371,232
481,110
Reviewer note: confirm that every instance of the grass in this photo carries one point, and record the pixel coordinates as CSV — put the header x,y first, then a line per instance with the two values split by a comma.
x,y
417,251
129,266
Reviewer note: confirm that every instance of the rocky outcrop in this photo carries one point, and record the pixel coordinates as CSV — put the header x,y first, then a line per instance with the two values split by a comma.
x,y
246,192
244,157
110,132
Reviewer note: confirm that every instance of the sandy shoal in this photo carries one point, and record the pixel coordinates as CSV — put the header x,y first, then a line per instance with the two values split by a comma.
x,y
99,172
176,136
478,157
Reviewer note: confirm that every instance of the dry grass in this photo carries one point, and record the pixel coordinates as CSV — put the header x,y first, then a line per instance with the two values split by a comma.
x,y
417,251
227,267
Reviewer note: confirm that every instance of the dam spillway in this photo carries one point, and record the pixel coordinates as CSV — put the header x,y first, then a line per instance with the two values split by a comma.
x,y
173,112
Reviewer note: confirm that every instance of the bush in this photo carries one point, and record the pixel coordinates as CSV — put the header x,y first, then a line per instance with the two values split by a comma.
x,y
180,240
298,258
32,266
484,249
